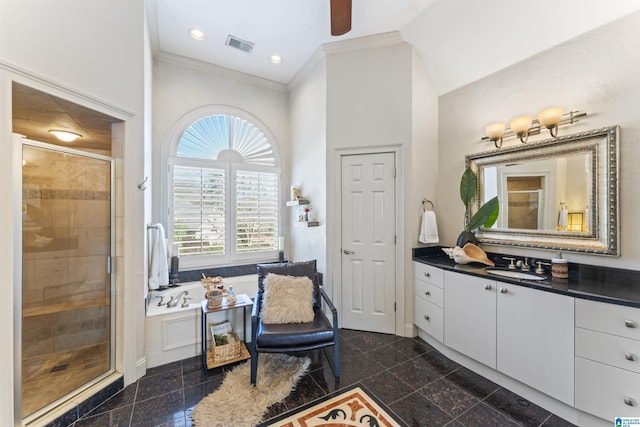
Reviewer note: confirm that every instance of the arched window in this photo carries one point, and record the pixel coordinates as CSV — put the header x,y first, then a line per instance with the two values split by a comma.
x,y
225,191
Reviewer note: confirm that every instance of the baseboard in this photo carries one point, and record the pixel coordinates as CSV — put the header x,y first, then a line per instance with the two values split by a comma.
x,y
141,368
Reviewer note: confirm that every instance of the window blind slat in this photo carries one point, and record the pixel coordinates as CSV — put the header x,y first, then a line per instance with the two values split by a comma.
x,y
199,211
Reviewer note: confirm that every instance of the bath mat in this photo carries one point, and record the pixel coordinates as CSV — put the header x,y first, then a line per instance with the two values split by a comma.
x,y
351,406
239,404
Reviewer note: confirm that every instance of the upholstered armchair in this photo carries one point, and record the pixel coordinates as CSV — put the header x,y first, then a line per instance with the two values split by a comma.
x,y
291,291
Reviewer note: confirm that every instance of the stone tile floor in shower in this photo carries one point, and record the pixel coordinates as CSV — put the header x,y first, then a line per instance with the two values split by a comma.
x,y
417,382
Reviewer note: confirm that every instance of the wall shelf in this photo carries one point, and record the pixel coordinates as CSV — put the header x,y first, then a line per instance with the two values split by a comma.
x,y
307,223
299,202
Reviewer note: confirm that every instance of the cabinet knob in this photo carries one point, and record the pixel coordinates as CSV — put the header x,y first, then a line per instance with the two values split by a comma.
x,y
629,401
503,290
630,324
427,293
426,317
426,274
487,287
630,356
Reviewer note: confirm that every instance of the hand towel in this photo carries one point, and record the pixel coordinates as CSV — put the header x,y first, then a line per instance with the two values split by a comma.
x,y
563,220
429,228
158,265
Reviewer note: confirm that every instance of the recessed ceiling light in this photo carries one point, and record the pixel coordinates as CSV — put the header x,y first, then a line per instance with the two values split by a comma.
x,y
275,59
197,34
65,135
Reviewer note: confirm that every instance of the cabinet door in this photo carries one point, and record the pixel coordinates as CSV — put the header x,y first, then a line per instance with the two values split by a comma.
x,y
536,339
470,316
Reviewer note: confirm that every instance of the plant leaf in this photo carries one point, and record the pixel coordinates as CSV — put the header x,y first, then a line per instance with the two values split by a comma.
x,y
486,216
468,186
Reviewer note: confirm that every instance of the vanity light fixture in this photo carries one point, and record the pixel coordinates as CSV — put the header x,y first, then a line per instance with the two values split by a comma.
x,y
524,126
520,126
550,118
495,132
65,135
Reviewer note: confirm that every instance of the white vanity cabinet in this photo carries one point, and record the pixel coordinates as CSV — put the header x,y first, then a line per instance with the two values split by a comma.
x,y
607,359
535,339
470,316
429,298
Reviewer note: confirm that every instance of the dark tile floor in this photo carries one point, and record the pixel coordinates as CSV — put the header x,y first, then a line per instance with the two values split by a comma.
x,y
418,383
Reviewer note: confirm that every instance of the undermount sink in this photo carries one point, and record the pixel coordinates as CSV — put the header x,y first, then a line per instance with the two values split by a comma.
x,y
513,274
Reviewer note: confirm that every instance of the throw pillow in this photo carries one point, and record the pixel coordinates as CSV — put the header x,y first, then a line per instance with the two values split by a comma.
x,y
287,299
301,268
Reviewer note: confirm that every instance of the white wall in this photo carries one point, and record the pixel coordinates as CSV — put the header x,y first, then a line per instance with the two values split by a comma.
x,y
181,87
369,105
96,50
597,73
422,182
308,163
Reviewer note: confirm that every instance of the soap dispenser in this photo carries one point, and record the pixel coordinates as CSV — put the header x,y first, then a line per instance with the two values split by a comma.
x,y
559,268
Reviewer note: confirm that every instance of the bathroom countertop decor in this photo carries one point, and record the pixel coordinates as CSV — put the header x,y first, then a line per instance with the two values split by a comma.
x,y
604,284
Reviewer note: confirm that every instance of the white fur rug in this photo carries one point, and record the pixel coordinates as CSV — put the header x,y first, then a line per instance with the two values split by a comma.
x,y
239,404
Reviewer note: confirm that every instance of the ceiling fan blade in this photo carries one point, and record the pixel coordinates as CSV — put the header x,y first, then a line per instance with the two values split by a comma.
x,y
340,17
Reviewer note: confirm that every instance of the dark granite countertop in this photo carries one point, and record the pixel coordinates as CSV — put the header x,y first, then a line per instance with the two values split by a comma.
x,y
604,284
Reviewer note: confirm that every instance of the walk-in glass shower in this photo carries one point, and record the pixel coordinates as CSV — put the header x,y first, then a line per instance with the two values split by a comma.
x,y
67,290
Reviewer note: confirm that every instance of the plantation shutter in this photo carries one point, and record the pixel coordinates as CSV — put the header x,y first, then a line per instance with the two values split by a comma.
x,y
199,210
256,211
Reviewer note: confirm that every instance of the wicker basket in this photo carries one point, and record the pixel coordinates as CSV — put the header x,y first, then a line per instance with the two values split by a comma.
x,y
224,353
215,298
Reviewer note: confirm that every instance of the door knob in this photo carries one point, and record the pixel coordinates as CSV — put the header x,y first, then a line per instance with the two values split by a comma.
x,y
487,287
348,252
503,290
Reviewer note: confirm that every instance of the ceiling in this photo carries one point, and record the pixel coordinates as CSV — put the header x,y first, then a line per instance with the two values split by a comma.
x,y
35,113
459,41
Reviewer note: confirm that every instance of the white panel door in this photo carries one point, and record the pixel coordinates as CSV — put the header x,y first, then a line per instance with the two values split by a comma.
x,y
368,242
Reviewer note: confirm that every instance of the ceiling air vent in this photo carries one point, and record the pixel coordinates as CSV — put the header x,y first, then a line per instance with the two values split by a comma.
x,y
243,45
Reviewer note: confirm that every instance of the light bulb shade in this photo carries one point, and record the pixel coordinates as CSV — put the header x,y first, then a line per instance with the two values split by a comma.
x,y
520,125
65,135
550,116
495,130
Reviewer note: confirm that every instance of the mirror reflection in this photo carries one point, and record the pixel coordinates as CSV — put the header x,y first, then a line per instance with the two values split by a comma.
x,y
560,193
549,194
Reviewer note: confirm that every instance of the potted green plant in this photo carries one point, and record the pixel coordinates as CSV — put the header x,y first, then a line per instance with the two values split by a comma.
x,y
485,217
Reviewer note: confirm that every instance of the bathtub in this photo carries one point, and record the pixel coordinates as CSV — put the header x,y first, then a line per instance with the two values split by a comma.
x,y
173,333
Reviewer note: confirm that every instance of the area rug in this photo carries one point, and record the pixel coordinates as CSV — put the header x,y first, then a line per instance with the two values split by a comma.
x,y
239,404
351,406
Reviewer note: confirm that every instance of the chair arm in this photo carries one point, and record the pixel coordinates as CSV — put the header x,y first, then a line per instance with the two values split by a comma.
x,y
255,313
326,299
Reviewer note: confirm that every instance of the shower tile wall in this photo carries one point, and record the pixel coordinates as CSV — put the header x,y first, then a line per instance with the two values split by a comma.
x,y
66,291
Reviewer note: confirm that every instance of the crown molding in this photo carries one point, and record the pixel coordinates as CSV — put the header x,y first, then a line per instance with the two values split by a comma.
x,y
369,42
219,71
350,45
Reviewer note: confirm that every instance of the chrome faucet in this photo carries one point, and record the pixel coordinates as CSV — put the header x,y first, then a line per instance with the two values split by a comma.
x,y
174,300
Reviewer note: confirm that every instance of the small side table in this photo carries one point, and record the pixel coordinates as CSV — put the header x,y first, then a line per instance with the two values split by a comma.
x,y
242,301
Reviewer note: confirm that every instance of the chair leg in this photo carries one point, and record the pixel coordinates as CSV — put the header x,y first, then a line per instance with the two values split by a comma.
x,y
254,367
336,359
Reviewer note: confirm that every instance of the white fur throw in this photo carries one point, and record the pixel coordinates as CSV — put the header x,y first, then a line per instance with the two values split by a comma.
x,y
287,299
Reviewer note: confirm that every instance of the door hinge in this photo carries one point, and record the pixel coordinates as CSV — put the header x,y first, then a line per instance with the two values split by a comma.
x,y
394,172
109,265
395,306
395,239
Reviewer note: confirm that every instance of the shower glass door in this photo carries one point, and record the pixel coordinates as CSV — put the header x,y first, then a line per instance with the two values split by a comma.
x,y
67,315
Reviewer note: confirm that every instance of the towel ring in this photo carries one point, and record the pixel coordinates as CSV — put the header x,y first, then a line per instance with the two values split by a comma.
x,y
427,201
